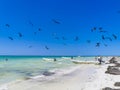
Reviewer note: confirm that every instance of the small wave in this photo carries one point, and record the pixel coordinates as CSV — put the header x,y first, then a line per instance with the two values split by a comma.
x,y
47,59
52,74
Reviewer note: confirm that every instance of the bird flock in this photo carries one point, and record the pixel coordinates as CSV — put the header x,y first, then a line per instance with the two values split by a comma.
x,y
104,35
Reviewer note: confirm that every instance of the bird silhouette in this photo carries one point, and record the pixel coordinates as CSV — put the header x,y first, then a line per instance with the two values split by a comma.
x,y
93,29
35,33
31,23
20,34
100,28
103,37
30,46
88,41
46,48
63,38
7,25
39,29
76,38
55,21
115,37
105,45
97,44
10,38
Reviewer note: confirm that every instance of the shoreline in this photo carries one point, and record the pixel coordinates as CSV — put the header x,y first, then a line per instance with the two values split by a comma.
x,y
79,77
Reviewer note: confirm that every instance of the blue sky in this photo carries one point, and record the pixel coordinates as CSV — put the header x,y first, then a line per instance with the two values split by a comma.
x,y
76,17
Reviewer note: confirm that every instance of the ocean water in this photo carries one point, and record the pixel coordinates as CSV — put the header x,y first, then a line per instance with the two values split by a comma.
x,y
20,67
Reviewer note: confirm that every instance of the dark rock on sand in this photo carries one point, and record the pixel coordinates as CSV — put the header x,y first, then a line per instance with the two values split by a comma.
x,y
113,70
107,88
117,84
113,60
47,73
117,64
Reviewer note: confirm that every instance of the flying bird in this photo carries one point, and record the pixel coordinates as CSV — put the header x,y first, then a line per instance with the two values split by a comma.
x,y
105,45
7,25
10,38
30,46
115,37
31,23
63,38
46,48
88,41
20,34
100,28
97,44
35,33
93,29
103,37
76,38
39,29
55,21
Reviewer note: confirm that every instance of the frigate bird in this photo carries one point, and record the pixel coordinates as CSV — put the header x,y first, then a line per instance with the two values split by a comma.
x,y
88,41
115,37
103,37
63,38
46,48
55,21
39,29
31,23
7,25
30,46
105,45
93,29
76,38
20,34
97,44
10,38
103,31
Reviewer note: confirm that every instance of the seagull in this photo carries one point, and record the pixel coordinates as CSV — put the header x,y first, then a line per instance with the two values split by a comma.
x,y
55,21
10,38
115,37
7,25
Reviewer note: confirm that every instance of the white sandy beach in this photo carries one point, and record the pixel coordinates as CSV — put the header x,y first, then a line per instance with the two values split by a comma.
x,y
81,77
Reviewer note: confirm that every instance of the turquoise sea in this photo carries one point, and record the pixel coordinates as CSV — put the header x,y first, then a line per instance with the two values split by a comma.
x,y
20,67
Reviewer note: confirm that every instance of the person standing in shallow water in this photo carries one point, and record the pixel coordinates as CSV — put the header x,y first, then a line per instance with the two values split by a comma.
x,y
55,59
100,60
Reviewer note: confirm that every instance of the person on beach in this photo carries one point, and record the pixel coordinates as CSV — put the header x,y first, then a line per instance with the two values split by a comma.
x,y
100,60
55,59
